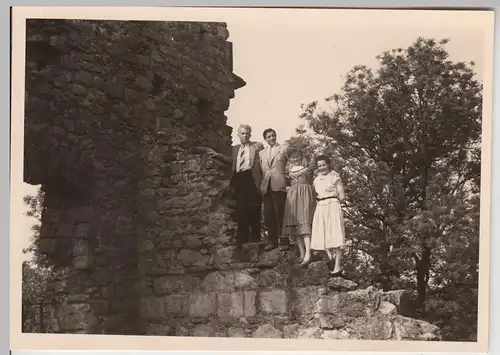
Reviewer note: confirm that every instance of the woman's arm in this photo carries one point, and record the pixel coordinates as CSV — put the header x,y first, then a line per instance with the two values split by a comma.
x,y
287,177
340,190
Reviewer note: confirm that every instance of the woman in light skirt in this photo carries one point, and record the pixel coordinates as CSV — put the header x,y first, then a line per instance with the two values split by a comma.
x,y
328,231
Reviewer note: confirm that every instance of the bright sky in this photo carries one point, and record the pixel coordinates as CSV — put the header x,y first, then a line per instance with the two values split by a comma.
x,y
289,63
301,64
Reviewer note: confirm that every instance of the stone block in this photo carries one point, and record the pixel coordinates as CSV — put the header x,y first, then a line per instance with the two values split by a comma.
x,y
317,273
79,89
353,309
290,331
220,281
309,333
144,83
180,330
249,303
145,245
270,258
328,304
328,321
387,308
82,231
158,329
80,247
203,330
304,299
414,329
82,214
230,304
64,230
270,277
192,258
335,334
244,281
82,262
349,305
202,304
267,331
341,284
369,298
115,89
177,305
224,255
84,77
152,307
150,104
175,284
274,301
236,332
381,331
192,241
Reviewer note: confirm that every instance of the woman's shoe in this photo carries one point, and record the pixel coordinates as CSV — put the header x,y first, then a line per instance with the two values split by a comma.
x,y
331,264
305,263
336,273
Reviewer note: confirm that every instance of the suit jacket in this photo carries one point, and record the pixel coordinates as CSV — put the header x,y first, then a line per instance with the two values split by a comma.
x,y
273,169
255,148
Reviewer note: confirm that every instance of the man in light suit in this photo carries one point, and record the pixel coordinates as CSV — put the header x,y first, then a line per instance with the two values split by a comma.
x,y
246,182
273,160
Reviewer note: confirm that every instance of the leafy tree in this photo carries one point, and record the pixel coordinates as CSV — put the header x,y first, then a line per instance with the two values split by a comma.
x,y
36,273
405,139
34,280
35,207
34,286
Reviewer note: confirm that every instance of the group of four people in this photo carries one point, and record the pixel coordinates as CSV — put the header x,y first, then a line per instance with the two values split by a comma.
x,y
302,201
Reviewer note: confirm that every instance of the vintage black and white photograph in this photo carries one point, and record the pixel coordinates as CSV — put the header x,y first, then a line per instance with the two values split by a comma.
x,y
312,175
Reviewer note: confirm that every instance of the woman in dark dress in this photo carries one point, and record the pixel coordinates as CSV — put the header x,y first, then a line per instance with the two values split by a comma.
x,y
300,204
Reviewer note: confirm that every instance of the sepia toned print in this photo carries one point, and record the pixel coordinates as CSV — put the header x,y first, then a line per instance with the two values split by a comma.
x,y
157,213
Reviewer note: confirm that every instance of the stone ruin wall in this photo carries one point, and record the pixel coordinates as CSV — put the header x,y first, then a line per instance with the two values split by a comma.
x,y
119,118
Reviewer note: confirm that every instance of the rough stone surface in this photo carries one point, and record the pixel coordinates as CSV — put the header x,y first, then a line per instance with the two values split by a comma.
x,y
114,111
120,120
274,301
267,331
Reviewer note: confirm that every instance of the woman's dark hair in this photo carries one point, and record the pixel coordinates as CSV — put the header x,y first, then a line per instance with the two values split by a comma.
x,y
323,157
268,130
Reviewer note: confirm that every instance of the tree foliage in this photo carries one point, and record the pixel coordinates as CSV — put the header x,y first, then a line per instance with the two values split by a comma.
x,y
406,140
35,207
36,273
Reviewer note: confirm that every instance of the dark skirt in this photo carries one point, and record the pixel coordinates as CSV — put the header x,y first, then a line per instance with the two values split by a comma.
x,y
299,210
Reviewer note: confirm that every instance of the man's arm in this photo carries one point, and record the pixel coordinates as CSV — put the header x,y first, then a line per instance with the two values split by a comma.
x,y
215,155
259,146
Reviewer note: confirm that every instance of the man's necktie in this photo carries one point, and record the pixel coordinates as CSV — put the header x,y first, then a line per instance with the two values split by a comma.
x,y
242,158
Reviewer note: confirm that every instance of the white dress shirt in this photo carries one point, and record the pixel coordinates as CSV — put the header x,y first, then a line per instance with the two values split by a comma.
x,y
246,156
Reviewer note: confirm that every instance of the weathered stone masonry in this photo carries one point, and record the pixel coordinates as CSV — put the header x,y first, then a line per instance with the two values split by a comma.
x,y
119,119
